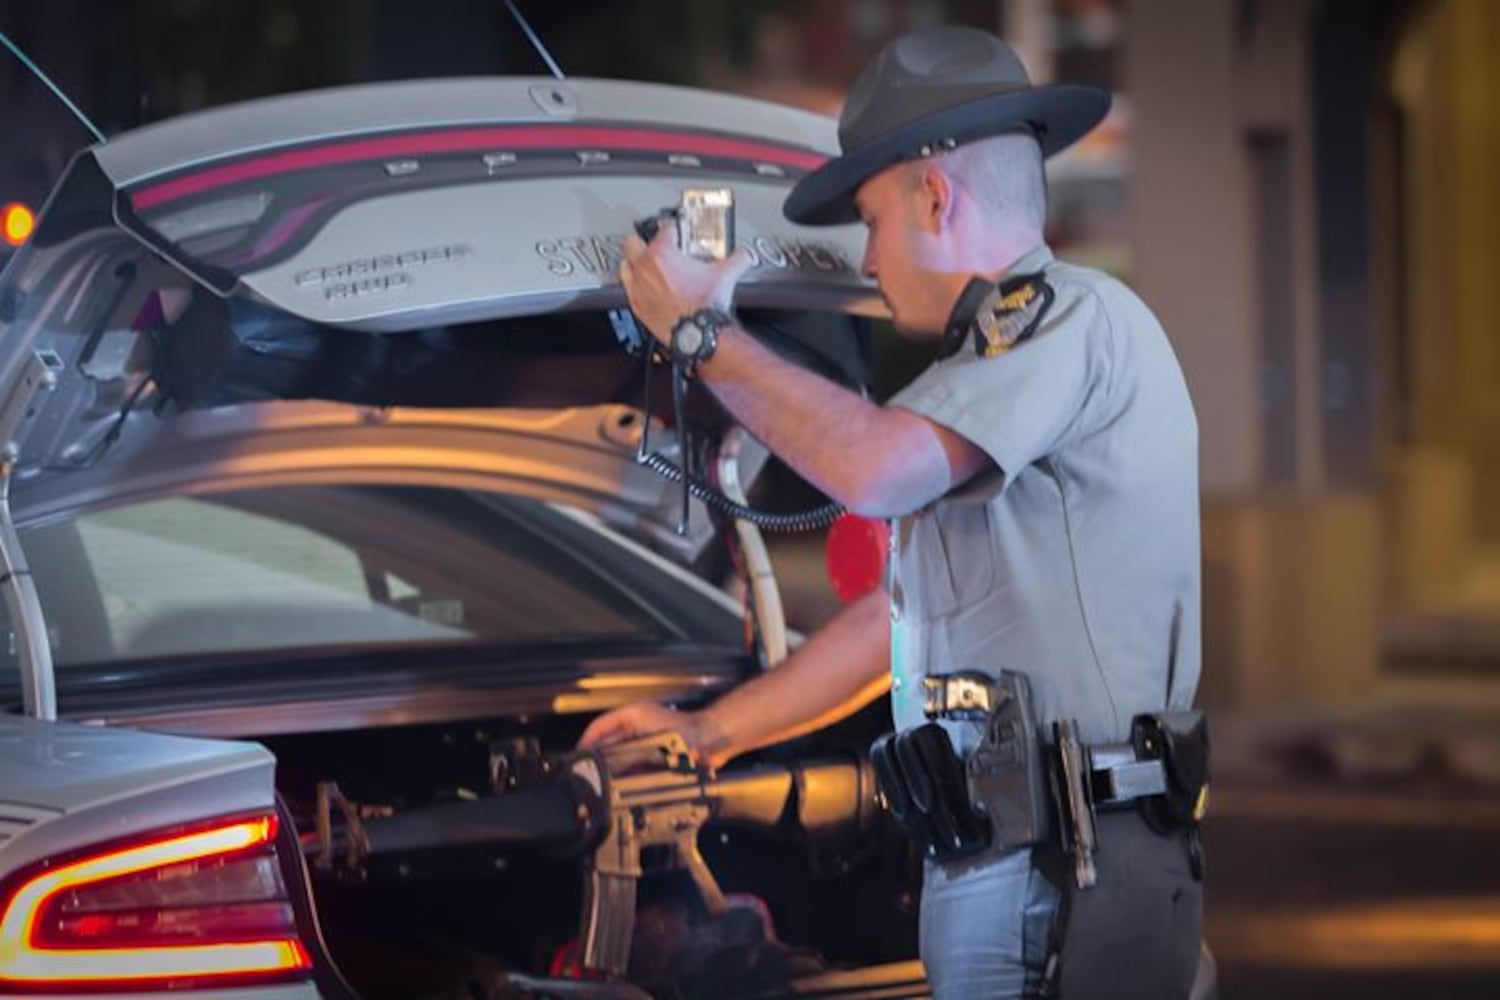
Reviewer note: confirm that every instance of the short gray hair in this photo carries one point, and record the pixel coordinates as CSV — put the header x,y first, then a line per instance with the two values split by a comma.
x,y
1004,175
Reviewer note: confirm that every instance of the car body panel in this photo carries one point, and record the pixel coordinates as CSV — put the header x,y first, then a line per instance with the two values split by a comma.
x,y
522,189
415,706
583,456
80,785
562,253
161,149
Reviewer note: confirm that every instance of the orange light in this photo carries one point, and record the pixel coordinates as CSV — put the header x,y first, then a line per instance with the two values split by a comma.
x,y
22,961
17,221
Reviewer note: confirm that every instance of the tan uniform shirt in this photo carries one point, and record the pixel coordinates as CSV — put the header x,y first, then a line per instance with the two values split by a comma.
x,y
1076,561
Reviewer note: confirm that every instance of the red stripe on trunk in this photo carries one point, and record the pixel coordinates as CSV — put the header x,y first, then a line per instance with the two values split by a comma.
x,y
500,139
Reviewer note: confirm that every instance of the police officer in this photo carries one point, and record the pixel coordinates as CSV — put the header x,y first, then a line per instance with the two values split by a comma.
x,y
1041,476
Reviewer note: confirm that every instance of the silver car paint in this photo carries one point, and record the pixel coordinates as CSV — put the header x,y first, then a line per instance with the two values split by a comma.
x,y
503,228
66,787
87,784
235,130
583,456
541,246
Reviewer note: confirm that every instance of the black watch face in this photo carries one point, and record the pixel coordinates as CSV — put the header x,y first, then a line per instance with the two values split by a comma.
x,y
689,339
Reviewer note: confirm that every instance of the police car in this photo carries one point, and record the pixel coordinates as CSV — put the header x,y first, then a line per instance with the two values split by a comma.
x,y
323,510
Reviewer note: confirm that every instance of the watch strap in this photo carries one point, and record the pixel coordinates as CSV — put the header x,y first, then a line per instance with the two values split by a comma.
x,y
709,321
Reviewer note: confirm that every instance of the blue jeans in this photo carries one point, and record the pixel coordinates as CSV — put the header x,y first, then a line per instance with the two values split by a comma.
x,y
986,926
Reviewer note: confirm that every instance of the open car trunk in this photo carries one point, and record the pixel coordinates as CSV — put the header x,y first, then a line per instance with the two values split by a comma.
x,y
432,909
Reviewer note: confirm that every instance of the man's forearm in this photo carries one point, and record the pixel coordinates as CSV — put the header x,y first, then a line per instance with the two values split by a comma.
x,y
874,461
838,670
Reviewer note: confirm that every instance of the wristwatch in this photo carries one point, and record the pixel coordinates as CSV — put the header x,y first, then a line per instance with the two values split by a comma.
x,y
696,337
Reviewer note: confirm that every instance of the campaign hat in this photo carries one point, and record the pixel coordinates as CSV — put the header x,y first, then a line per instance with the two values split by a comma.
x,y
929,92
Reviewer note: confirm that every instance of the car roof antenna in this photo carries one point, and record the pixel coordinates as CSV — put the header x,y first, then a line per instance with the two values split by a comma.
x,y
536,42
37,70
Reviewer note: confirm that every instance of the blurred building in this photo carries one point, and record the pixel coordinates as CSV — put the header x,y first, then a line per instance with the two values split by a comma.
x,y
1311,215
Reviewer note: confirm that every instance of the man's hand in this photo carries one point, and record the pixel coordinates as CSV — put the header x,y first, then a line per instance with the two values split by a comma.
x,y
664,284
646,718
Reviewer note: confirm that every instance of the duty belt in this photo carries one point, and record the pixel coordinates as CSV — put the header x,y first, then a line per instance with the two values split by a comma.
x,y
1115,774
1018,783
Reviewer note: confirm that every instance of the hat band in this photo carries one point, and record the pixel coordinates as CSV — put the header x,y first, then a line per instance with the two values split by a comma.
x,y
928,150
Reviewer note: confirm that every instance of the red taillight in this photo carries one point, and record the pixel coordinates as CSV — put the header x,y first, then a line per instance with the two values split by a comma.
x,y
206,905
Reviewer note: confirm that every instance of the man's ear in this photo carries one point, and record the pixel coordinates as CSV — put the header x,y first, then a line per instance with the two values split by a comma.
x,y
935,198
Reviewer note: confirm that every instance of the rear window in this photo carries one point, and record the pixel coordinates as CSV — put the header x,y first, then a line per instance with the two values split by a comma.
x,y
321,568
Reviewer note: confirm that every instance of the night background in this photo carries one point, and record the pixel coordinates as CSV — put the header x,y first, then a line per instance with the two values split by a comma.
x,y
1304,192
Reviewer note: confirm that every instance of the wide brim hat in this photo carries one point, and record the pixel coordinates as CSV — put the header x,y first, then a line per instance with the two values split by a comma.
x,y
929,92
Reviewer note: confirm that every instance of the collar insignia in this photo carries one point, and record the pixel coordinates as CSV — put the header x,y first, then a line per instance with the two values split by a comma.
x,y
997,316
1010,314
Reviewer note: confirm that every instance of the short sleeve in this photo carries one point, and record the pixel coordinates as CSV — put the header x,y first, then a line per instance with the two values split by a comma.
x,y
1031,401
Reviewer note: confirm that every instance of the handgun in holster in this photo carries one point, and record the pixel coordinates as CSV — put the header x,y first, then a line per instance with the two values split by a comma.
x,y
1006,774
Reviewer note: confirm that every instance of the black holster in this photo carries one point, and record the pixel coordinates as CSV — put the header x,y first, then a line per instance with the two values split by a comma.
x,y
922,780
1007,770
952,807
1180,741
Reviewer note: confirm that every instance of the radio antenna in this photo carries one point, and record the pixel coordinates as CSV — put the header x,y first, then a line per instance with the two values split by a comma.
x,y
536,42
37,70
